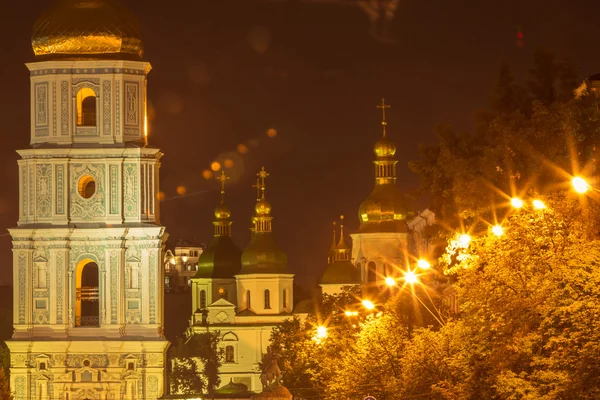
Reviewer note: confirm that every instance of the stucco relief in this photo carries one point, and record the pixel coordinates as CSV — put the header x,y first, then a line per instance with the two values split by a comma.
x,y
64,108
60,182
96,360
130,190
88,209
44,190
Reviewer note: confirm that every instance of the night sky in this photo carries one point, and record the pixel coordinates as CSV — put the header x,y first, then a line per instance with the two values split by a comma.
x,y
227,71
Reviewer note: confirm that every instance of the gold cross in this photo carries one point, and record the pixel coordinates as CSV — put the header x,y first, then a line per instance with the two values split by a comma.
x,y
257,186
262,174
383,106
222,178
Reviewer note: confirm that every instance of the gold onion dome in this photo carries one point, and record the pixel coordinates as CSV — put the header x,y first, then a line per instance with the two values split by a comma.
x,y
222,257
385,148
263,255
87,29
263,207
384,210
222,212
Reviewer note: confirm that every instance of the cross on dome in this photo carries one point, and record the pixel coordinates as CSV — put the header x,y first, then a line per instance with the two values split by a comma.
x,y
383,106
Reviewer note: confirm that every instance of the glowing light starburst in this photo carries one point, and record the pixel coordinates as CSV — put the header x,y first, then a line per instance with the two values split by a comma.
x,y
498,230
410,277
580,185
516,202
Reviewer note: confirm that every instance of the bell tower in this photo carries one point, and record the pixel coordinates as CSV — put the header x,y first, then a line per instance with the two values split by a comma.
x,y
87,249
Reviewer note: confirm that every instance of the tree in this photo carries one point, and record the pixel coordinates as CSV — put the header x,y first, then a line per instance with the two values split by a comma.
x,y
527,298
5,393
529,136
199,350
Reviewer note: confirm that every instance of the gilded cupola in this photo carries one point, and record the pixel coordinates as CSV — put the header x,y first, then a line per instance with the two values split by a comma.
x,y
84,29
221,259
263,255
384,210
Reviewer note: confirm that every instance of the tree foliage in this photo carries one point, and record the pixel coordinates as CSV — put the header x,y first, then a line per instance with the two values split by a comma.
x,y
5,393
529,136
195,364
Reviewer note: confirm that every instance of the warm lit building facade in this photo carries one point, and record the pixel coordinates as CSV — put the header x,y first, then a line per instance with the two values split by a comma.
x,y
87,251
389,239
242,294
181,265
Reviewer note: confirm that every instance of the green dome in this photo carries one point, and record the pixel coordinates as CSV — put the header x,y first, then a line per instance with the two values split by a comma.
x,y
233,388
341,272
263,256
220,260
384,210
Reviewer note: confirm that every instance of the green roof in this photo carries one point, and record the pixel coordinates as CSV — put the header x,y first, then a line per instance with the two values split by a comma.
x,y
341,272
222,259
263,256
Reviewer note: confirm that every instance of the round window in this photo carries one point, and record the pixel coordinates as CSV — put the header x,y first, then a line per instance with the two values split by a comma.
x,y
86,186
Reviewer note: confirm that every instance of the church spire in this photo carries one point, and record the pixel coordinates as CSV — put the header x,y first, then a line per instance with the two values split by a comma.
x,y
385,149
222,213
262,217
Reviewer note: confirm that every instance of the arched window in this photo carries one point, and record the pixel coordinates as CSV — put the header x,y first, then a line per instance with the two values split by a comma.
x,y
229,354
86,107
248,303
267,299
284,298
87,308
358,267
371,272
202,299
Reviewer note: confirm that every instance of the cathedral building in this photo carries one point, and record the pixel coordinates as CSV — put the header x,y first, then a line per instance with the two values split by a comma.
x,y
388,240
87,264
242,294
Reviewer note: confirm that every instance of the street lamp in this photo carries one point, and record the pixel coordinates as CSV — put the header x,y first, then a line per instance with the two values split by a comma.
x,y
580,185
538,204
390,281
464,240
423,264
497,230
351,313
321,332
516,202
410,277
368,304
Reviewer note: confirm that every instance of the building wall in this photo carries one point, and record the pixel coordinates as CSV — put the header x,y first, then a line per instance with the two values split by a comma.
x,y
116,350
389,252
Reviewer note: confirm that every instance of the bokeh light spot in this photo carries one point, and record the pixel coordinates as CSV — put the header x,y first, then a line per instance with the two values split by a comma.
x,y
215,166
271,132
228,163
242,148
181,190
207,174
160,196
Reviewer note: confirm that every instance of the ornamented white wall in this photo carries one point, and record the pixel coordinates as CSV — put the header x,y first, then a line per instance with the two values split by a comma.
x,y
94,202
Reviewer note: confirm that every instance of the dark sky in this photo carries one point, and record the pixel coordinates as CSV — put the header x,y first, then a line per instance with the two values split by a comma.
x,y
226,71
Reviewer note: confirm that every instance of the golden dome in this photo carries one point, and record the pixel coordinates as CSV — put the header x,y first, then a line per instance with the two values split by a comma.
x,y
383,211
222,212
263,207
385,148
87,29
